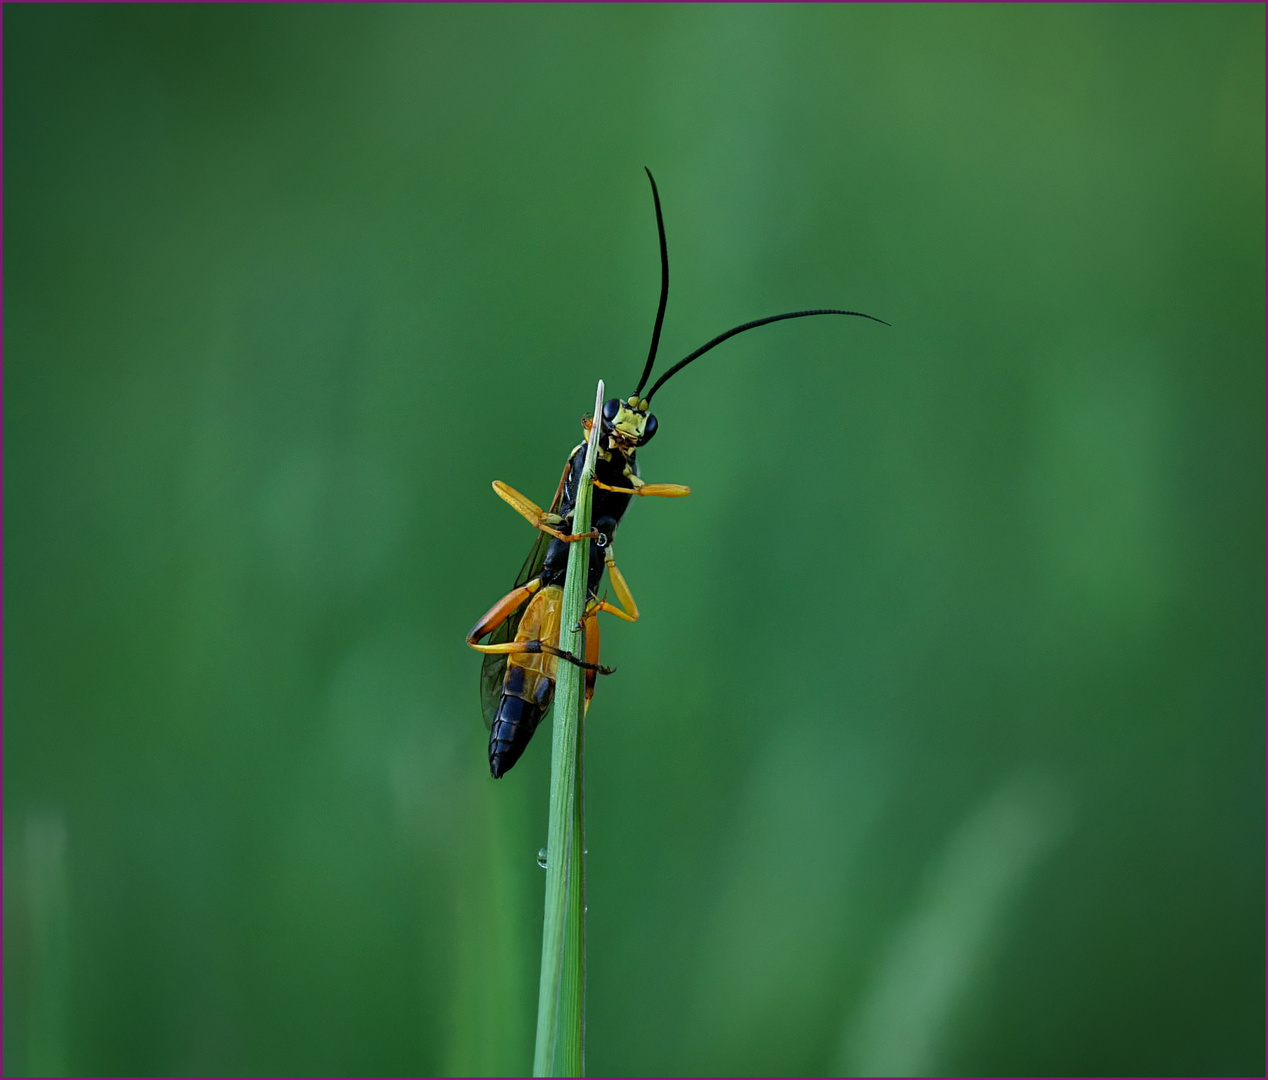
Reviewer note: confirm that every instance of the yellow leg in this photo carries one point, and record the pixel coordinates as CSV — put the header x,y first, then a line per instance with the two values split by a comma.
x,y
665,491
535,515
628,609
507,647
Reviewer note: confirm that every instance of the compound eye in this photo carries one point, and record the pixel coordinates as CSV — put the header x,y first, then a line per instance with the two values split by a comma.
x,y
649,429
610,409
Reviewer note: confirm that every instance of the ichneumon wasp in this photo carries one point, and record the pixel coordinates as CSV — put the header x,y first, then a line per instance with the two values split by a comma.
x,y
517,678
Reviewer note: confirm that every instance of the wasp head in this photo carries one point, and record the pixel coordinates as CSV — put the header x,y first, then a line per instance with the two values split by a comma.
x,y
628,422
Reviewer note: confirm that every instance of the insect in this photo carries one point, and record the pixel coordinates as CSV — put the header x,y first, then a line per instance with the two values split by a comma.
x,y
517,678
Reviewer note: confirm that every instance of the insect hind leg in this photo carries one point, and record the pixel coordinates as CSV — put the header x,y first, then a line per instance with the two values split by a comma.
x,y
499,613
551,650
524,648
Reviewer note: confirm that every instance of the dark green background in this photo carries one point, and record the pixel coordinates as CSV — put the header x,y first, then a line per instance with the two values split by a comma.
x,y
939,746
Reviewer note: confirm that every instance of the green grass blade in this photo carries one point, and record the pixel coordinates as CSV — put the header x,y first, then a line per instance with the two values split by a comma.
x,y
570,1042
561,994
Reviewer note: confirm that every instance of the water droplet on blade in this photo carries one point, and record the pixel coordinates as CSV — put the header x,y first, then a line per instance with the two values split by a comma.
x,y
541,858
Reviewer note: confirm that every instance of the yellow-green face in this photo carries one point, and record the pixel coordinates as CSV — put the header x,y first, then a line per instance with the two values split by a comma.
x,y
631,420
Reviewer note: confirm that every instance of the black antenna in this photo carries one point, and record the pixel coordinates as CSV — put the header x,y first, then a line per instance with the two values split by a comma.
x,y
749,326
664,285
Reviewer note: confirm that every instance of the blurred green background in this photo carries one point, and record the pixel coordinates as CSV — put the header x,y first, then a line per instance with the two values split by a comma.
x,y
939,745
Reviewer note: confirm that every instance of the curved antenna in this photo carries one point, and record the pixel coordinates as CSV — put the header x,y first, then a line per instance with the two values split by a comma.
x,y
664,284
749,326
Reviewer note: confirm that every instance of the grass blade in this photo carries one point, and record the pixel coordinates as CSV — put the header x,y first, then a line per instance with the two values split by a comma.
x,y
561,993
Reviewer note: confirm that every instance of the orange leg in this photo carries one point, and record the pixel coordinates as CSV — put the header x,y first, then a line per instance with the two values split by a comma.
x,y
563,479
502,610
499,613
592,656
535,515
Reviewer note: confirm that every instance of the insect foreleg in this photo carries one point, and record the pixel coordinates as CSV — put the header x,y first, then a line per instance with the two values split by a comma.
x,y
665,491
535,515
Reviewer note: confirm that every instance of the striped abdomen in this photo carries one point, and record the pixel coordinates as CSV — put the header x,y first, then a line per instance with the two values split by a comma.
x,y
529,684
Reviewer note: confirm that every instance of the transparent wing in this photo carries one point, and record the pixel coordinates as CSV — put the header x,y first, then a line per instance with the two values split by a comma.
x,y
493,670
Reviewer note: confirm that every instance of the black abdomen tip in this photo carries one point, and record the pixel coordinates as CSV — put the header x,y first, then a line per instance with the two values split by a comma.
x,y
513,726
